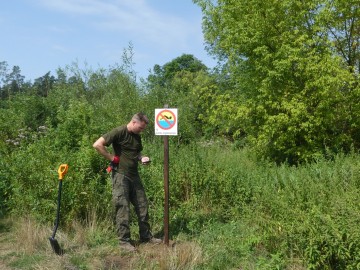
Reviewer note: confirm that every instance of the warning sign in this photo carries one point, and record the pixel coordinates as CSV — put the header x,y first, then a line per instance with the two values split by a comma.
x,y
165,121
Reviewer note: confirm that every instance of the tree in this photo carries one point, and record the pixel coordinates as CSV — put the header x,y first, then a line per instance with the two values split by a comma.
x,y
295,89
13,82
163,75
44,84
174,84
342,21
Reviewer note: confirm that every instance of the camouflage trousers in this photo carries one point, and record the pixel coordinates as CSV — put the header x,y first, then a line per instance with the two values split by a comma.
x,y
126,190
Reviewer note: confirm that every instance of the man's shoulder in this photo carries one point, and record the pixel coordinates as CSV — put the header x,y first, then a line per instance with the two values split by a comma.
x,y
121,128
117,131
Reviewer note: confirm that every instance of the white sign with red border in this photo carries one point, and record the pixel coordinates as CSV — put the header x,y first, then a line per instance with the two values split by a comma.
x,y
166,121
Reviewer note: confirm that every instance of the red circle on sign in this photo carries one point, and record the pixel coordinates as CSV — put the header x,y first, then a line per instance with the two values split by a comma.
x,y
166,121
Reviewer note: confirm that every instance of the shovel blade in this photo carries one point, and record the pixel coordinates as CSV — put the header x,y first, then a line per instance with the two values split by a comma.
x,y
55,246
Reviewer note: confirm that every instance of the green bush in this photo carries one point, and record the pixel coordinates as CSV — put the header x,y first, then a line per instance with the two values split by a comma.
x,y
246,213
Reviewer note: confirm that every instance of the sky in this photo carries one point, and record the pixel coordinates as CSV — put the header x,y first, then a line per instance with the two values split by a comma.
x,y
43,35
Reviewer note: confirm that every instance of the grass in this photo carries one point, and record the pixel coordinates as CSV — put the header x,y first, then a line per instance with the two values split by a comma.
x,y
25,245
228,211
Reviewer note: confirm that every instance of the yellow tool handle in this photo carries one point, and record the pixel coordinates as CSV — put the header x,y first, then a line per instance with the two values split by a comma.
x,y
62,170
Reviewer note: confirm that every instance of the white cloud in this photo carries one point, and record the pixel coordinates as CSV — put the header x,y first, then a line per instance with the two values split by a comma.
x,y
75,7
136,19
99,30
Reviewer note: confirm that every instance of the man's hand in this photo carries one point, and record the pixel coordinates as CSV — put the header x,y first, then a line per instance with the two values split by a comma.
x,y
113,164
116,160
145,160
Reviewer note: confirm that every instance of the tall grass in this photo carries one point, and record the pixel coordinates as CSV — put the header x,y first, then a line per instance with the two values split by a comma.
x,y
241,208
228,210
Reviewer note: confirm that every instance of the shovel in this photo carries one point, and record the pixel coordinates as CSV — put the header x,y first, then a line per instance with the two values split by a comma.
x,y
54,243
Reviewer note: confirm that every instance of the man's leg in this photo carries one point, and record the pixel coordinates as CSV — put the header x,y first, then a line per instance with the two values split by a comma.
x,y
121,203
139,200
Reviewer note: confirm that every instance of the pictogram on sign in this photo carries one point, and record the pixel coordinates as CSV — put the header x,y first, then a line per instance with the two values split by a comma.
x,y
165,121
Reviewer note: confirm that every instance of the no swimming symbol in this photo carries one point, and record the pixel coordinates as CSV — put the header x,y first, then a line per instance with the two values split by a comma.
x,y
166,119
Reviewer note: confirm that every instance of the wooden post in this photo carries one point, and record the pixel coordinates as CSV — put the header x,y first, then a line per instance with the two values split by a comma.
x,y
166,187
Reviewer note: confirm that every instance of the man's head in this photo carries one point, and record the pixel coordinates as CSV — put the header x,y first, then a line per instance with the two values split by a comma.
x,y
138,123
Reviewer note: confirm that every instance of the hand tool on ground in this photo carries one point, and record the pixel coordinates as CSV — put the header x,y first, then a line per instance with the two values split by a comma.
x,y
54,243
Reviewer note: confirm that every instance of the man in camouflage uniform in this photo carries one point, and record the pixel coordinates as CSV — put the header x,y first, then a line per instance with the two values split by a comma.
x,y
127,185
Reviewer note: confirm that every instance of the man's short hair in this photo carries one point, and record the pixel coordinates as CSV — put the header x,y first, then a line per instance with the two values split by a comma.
x,y
141,117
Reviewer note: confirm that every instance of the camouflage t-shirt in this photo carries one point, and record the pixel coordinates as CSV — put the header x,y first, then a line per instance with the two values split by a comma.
x,y
127,146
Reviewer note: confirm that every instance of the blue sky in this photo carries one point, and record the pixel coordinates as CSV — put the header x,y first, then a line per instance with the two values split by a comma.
x,y
43,35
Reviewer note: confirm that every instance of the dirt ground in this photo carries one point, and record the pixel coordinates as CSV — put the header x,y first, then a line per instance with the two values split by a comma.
x,y
97,259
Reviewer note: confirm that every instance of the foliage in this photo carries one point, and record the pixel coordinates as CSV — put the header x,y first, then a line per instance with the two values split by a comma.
x,y
12,82
243,213
69,125
5,189
175,84
254,214
294,67
292,98
163,75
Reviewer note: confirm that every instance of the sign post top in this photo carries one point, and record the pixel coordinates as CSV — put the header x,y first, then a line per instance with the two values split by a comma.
x,y
166,121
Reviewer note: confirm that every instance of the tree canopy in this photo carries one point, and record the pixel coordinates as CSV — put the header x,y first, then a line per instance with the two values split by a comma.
x,y
295,72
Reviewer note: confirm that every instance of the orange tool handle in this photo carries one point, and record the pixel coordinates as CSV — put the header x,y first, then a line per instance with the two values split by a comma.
x,y
62,170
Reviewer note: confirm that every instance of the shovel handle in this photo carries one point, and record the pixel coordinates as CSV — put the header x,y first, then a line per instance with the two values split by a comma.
x,y
62,170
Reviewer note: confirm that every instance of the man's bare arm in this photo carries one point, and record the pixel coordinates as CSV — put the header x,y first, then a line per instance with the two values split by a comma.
x,y
100,146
